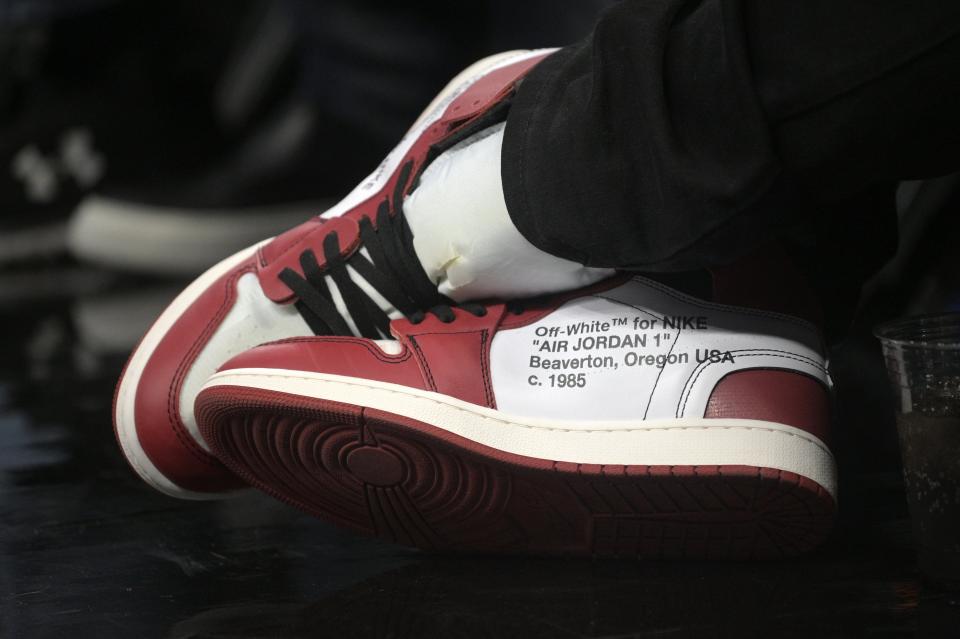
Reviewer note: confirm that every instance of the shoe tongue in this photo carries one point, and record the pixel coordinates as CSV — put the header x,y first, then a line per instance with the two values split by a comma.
x,y
464,237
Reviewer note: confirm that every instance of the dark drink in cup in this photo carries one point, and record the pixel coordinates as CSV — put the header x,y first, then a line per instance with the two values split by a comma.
x,y
923,361
930,447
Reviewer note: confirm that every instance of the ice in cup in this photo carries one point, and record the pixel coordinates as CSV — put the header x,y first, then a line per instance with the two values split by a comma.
x,y
922,357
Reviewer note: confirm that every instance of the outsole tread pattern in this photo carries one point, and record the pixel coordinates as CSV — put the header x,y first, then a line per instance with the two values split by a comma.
x,y
413,484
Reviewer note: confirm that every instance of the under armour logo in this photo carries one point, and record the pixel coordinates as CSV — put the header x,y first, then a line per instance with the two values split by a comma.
x,y
41,175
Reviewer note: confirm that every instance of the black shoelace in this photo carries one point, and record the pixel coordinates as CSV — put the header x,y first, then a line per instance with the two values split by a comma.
x,y
392,269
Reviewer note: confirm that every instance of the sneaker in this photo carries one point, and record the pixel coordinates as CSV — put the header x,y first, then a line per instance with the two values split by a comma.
x,y
629,419
266,183
347,272
81,97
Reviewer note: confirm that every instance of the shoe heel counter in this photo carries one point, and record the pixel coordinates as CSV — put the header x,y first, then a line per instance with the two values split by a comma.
x,y
780,396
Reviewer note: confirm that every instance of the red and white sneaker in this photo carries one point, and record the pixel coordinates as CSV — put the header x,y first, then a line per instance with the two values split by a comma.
x,y
628,419
348,271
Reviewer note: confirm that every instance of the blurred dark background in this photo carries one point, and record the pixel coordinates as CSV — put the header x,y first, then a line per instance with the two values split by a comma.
x,y
143,141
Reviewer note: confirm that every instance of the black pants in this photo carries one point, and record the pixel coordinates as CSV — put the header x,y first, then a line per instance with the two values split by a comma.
x,y
683,133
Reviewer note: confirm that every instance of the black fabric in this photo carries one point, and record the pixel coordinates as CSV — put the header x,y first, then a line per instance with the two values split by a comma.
x,y
682,133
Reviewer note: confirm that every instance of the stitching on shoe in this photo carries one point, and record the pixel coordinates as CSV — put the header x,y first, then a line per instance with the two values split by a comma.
x,y
485,369
374,350
423,362
744,353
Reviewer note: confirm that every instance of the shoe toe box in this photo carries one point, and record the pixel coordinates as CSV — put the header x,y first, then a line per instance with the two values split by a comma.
x,y
222,313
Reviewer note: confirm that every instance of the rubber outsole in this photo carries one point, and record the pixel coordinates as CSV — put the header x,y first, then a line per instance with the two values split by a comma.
x,y
411,483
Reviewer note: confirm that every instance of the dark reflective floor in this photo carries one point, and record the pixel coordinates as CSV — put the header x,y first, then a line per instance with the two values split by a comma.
x,y
87,551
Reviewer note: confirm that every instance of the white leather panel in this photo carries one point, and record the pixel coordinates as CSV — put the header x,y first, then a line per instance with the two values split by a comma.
x,y
465,239
253,320
641,351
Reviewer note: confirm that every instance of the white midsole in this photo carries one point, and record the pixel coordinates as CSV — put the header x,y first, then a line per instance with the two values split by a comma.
x,y
674,442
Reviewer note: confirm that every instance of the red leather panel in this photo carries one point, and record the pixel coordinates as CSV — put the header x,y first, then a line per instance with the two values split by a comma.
x,y
282,243
783,397
455,362
486,91
160,430
455,356
284,252
349,356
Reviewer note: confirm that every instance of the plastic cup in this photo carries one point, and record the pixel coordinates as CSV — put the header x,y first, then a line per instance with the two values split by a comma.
x,y
922,356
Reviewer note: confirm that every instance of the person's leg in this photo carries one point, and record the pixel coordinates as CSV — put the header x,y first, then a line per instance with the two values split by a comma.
x,y
680,134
